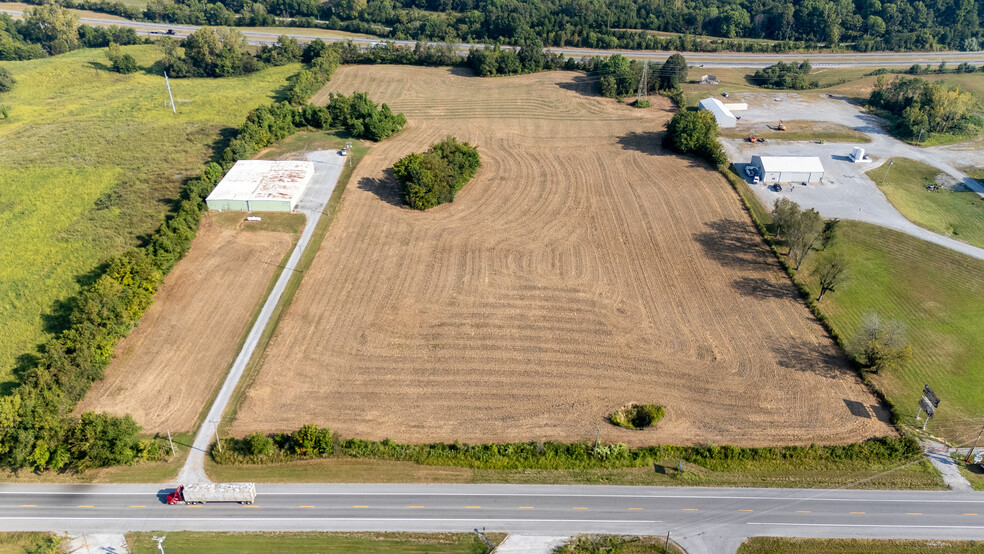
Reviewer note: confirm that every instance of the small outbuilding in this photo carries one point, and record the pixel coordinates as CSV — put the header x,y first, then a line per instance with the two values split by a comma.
x,y
721,112
788,169
262,186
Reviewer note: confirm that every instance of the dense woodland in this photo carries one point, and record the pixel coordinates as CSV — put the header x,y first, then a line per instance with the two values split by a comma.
x,y
922,109
862,25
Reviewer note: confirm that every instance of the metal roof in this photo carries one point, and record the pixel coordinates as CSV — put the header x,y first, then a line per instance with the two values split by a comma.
x,y
716,107
771,164
253,180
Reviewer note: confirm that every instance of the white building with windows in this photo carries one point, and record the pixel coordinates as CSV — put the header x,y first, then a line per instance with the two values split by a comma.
x,y
788,169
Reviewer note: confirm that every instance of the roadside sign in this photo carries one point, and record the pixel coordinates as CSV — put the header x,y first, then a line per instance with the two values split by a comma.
x,y
927,406
931,396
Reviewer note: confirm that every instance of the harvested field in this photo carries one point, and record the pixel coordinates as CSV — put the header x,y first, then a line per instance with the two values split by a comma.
x,y
583,269
167,369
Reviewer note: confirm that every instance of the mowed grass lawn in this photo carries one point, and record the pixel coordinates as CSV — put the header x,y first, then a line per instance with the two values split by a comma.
x,y
938,294
258,543
90,161
953,213
769,545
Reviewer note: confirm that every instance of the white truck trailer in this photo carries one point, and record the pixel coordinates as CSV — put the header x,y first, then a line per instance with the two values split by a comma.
x,y
200,493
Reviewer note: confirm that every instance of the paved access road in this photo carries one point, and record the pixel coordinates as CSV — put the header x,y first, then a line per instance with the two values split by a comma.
x,y
709,59
703,519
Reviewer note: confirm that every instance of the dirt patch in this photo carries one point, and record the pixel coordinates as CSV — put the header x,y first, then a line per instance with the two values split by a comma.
x,y
168,368
581,270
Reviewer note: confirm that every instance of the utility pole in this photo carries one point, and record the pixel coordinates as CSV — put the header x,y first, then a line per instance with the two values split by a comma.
x,y
169,95
970,455
886,171
170,441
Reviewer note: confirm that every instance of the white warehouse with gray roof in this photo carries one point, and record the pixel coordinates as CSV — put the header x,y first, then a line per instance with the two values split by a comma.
x,y
788,169
262,186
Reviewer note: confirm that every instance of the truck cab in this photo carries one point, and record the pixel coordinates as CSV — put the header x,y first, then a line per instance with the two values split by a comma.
x,y
176,496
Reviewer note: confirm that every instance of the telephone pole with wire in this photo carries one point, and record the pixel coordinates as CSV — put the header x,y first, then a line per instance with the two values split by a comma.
x,y
169,95
970,454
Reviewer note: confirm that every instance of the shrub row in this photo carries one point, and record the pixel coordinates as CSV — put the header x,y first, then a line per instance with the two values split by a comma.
x,y
638,416
546,455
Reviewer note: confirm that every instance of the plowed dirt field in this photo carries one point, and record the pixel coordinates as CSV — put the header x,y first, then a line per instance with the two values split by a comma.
x,y
168,368
582,269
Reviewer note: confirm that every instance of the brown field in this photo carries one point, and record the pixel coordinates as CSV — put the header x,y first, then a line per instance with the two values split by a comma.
x,y
168,368
582,269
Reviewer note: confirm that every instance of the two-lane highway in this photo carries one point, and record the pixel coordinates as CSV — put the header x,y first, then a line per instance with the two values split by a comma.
x,y
513,508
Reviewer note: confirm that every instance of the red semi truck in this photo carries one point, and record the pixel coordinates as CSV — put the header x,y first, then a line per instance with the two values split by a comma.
x,y
200,493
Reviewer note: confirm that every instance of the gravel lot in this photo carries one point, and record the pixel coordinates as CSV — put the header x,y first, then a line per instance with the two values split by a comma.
x,y
846,192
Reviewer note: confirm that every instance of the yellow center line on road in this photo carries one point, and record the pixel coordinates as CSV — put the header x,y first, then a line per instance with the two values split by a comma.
x,y
415,506
85,506
857,512
970,514
526,507
251,506
194,505
360,506
138,506
473,507
635,508
913,513
305,506
29,505
691,509
803,511
579,508
746,510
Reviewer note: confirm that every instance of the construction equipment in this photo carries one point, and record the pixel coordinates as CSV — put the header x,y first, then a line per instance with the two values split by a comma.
x,y
200,493
751,138
781,127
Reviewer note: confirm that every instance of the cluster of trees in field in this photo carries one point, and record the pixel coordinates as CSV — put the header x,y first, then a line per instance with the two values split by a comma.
x,y
319,442
785,76
120,61
695,132
436,176
922,108
862,25
50,29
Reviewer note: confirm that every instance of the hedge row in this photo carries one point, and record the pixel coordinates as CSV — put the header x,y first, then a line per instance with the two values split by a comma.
x,y
284,447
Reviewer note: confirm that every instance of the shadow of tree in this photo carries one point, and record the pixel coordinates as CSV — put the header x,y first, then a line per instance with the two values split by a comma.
x,y
583,85
648,142
385,188
761,288
732,243
799,355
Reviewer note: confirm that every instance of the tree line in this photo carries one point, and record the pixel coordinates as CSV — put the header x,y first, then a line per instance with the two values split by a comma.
x,y
50,30
785,76
921,109
437,175
37,429
866,25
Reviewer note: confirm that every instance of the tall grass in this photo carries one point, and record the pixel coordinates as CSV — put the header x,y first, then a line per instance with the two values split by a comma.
x,y
90,162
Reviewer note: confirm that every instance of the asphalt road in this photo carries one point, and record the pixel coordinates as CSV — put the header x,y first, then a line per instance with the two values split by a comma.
x,y
714,59
703,519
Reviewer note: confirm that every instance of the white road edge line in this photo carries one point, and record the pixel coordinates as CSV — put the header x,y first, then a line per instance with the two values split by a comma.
x,y
175,519
867,525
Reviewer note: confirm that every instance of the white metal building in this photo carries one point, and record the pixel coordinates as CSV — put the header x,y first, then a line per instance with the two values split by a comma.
x,y
262,186
721,113
788,169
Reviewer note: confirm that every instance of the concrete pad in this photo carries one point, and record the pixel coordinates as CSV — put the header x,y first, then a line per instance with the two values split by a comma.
x,y
530,544
939,456
96,544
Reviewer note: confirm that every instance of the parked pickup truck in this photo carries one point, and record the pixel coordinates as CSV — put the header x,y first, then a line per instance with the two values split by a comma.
x,y
244,493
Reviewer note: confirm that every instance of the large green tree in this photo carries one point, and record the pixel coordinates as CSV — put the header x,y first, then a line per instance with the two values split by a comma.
x,y
54,27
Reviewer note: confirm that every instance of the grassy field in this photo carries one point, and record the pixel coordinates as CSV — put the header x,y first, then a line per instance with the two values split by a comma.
x,y
850,81
24,542
918,476
937,294
775,545
953,213
90,161
275,543
801,130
